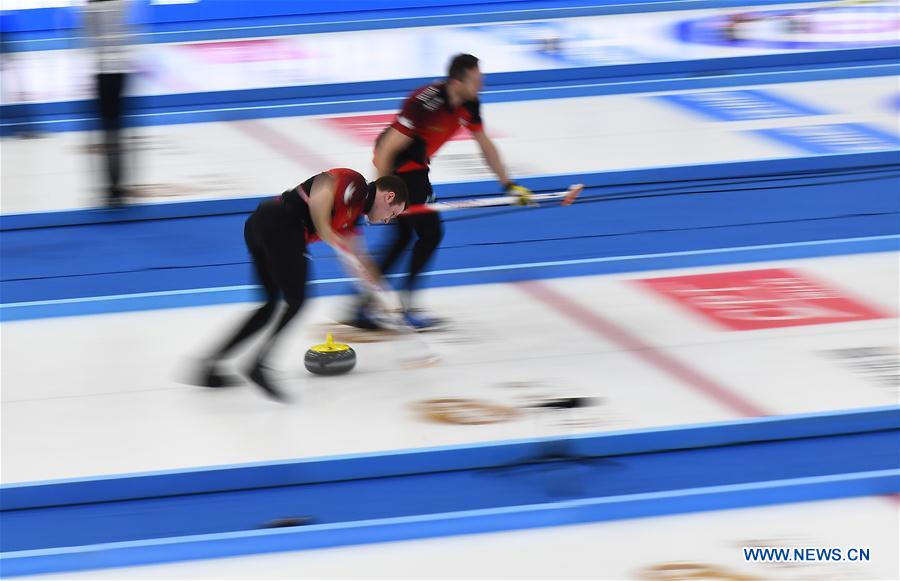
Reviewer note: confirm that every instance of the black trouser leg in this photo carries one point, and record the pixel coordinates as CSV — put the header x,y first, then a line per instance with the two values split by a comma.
x,y
289,313
276,239
263,314
285,248
430,230
291,277
403,232
427,228
110,87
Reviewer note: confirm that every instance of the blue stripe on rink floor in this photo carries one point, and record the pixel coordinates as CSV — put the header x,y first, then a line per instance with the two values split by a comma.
x,y
190,260
256,27
142,301
626,220
515,495
439,459
673,179
501,88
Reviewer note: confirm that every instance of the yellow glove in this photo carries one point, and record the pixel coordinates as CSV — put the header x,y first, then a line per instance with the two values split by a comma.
x,y
522,193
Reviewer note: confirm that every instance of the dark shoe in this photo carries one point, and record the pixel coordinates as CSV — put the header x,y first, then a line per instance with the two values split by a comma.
x,y
210,376
362,320
258,377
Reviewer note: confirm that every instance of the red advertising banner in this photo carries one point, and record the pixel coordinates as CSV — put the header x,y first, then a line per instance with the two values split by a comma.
x,y
761,299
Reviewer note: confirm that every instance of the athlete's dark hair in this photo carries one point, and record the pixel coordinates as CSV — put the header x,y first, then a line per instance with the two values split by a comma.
x,y
393,184
459,65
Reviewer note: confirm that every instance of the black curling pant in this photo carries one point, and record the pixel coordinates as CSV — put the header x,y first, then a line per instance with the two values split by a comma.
x,y
110,87
427,228
276,238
